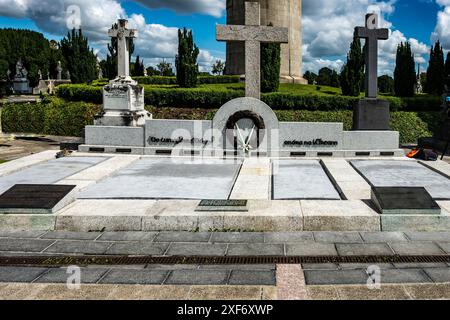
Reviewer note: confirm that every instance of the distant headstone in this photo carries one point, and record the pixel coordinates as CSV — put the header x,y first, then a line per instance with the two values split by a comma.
x,y
40,74
253,34
100,72
371,113
20,81
68,75
404,200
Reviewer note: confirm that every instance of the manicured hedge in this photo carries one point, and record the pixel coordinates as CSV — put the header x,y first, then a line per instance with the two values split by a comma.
x,y
53,117
160,80
56,117
204,97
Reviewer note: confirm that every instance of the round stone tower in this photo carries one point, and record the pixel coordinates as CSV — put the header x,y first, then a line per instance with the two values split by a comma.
x,y
279,13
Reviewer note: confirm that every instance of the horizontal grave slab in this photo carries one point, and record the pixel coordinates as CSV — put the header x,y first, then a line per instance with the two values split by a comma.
x,y
35,198
223,205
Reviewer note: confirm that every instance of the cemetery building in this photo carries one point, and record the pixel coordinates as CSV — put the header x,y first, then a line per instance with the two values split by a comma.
x,y
278,13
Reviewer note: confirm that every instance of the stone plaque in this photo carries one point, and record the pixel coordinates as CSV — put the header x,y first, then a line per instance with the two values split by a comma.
x,y
35,197
223,205
404,200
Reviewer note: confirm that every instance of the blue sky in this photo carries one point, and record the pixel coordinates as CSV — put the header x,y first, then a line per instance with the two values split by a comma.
x,y
157,21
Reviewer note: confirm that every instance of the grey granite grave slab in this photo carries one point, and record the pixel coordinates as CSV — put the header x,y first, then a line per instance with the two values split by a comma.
x,y
49,172
169,179
302,179
391,173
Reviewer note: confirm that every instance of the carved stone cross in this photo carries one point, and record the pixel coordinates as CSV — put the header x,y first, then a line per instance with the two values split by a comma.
x,y
372,34
123,35
252,34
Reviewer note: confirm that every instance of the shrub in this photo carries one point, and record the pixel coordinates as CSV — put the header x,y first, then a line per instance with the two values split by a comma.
x,y
53,117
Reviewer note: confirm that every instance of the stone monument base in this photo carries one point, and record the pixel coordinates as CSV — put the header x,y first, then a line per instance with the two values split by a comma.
x,y
371,114
294,80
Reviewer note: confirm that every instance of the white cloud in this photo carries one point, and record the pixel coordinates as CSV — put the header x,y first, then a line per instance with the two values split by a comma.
x,y
214,8
442,30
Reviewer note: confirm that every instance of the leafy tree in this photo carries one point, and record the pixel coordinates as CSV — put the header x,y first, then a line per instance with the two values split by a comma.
x,y
405,71
152,71
81,60
328,77
36,52
138,68
270,67
186,59
386,84
111,59
165,69
435,72
352,75
311,77
218,67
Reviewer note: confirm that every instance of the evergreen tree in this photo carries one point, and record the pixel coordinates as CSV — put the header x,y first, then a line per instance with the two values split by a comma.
x,y
447,71
311,77
352,75
186,59
435,72
405,71
328,77
386,84
138,68
81,60
270,67
152,71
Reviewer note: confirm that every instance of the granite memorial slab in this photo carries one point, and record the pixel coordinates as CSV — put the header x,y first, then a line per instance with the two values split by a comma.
x,y
24,198
169,178
404,200
394,173
301,180
223,206
49,172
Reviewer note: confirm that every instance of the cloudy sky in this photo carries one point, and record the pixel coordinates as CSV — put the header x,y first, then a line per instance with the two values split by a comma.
x,y
327,25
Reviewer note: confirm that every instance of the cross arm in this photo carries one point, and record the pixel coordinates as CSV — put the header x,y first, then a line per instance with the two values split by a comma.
x,y
381,34
255,33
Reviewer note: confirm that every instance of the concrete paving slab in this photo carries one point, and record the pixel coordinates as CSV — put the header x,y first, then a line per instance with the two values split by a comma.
x,y
386,292
70,235
197,249
288,237
404,276
404,174
428,236
48,172
176,178
328,277
365,249
263,278
311,249
142,248
183,237
253,182
417,248
352,185
237,237
20,274
255,249
21,234
79,247
439,275
198,277
60,275
416,222
222,293
339,216
24,245
429,291
301,179
337,237
123,276
381,237
127,236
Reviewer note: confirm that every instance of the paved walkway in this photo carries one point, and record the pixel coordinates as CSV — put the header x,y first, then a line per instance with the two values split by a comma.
x,y
227,244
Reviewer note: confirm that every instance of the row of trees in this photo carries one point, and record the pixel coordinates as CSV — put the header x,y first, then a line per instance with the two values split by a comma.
x,y
405,81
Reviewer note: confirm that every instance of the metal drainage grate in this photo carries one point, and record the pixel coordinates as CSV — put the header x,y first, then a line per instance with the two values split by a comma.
x,y
200,260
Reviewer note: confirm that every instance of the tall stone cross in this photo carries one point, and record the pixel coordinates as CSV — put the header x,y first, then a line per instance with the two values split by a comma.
x,y
372,34
252,34
123,35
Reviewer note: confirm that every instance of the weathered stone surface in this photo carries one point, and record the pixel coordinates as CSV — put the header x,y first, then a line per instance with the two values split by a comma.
x,y
255,249
371,140
327,277
142,248
238,237
197,249
263,278
311,249
198,277
338,237
60,275
115,136
20,274
79,247
123,276
248,33
416,248
24,245
365,249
